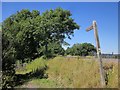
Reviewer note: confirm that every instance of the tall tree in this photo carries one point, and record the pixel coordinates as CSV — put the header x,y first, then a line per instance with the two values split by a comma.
x,y
30,30
82,49
25,33
56,25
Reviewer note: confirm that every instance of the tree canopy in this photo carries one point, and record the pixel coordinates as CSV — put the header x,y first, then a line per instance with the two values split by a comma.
x,y
82,49
30,30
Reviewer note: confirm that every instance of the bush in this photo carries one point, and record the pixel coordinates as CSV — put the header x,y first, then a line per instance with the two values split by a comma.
x,y
83,49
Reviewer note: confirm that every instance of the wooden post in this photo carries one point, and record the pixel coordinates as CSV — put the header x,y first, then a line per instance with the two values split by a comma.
x,y
102,75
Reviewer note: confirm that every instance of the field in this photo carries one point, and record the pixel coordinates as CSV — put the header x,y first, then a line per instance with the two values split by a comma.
x,y
67,72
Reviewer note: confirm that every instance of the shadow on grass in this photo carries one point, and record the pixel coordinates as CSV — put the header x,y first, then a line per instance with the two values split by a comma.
x,y
20,79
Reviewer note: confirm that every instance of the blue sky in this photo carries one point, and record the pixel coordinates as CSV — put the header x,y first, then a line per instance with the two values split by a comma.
x,y
83,13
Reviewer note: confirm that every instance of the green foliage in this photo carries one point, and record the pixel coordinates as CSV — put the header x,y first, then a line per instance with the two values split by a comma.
x,y
83,49
44,83
56,25
53,50
18,28
56,48
38,63
31,31
39,83
8,61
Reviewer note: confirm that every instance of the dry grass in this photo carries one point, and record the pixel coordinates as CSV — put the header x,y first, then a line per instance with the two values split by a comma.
x,y
112,72
80,73
74,73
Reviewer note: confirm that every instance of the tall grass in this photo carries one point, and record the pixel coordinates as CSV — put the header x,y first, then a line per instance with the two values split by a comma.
x,y
67,72
38,63
79,73
112,74
76,73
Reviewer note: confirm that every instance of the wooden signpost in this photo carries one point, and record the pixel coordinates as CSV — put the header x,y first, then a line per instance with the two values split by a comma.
x,y
102,75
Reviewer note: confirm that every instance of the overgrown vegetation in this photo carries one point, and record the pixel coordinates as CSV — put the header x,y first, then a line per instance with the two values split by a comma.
x,y
64,72
36,64
34,69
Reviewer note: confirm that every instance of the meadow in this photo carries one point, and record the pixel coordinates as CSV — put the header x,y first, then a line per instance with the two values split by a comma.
x,y
67,72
